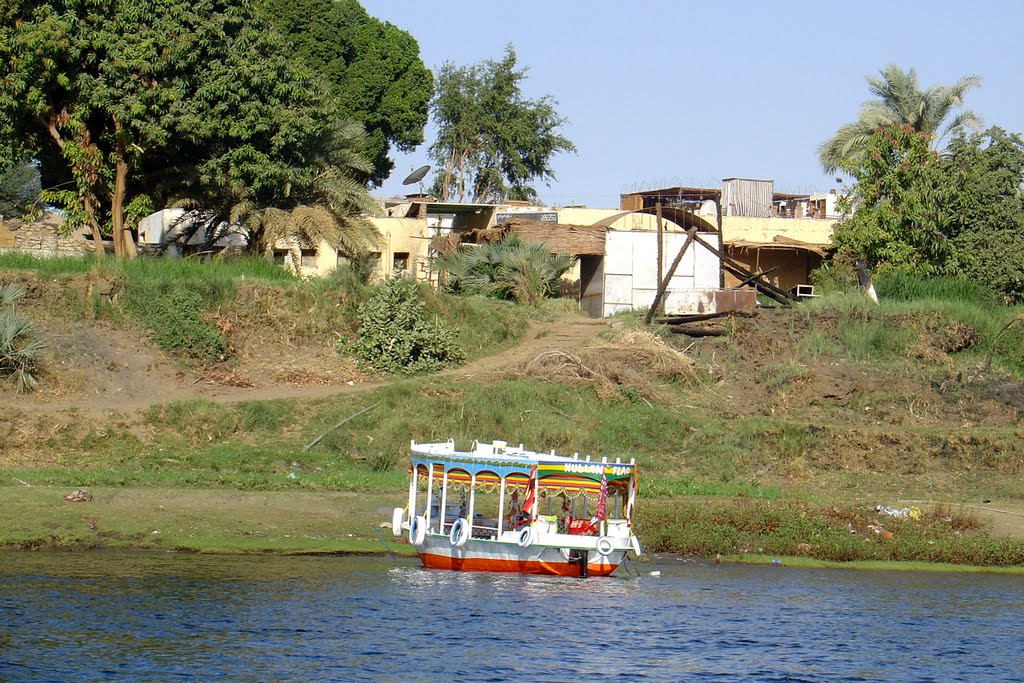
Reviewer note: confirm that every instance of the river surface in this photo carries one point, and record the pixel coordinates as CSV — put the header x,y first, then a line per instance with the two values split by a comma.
x,y
109,616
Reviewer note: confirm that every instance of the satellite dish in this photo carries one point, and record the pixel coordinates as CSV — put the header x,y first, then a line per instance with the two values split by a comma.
x,y
416,175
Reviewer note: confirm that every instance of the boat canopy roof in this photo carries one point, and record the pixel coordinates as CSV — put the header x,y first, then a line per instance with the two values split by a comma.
x,y
502,460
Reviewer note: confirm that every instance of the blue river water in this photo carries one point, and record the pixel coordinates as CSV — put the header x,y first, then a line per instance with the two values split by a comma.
x,y
123,616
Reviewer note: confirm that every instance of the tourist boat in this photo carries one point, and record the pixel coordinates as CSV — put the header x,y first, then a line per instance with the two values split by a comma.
x,y
503,508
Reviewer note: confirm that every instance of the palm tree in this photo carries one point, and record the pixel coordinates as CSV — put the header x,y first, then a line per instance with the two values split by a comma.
x,y
332,209
321,202
20,346
508,268
900,101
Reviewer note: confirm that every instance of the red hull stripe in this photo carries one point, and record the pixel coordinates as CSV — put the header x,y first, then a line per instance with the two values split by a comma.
x,y
479,564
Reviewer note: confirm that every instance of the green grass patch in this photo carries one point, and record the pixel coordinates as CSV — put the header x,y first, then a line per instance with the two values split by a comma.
x,y
902,287
962,319
197,521
48,267
482,324
831,533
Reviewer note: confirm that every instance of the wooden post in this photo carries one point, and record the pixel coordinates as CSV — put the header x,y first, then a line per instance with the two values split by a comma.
x,y
663,285
661,243
718,221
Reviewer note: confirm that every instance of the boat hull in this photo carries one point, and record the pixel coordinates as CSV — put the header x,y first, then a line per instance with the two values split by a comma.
x,y
477,555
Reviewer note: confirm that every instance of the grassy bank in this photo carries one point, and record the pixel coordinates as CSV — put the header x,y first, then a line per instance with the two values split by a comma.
x,y
196,520
702,493
777,439
206,312
827,532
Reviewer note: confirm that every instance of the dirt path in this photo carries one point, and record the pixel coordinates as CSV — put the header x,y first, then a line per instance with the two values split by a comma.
x,y
109,375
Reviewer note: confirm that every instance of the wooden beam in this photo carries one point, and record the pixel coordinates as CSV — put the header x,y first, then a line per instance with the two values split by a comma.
x,y
763,287
737,269
691,234
761,274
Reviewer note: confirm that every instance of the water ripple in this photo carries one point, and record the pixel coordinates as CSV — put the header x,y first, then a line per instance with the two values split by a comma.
x,y
145,617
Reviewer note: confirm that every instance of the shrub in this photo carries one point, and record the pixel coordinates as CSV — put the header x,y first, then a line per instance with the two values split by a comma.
x,y
395,334
19,345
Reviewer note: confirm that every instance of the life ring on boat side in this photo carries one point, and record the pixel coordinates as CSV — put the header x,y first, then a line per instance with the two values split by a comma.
x,y
417,530
605,546
396,522
460,532
525,537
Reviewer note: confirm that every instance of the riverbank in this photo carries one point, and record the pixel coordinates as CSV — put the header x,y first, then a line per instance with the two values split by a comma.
x,y
209,521
787,433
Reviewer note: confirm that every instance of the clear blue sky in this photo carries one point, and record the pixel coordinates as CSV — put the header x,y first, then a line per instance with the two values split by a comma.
x,y
678,93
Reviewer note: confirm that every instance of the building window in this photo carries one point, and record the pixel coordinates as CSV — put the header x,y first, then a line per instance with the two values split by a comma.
x,y
308,258
400,261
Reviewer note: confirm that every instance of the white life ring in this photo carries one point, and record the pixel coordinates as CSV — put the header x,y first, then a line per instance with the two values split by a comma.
x,y
525,537
605,546
396,522
417,530
460,532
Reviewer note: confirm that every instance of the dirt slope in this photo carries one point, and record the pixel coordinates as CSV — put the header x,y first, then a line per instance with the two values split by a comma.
x,y
97,368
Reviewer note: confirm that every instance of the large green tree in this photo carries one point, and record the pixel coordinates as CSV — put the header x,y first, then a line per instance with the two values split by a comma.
x,y
903,202
986,172
492,142
956,214
127,102
899,99
373,71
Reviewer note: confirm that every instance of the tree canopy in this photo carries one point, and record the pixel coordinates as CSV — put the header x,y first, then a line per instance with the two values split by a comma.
x,y
899,99
903,207
373,71
492,142
131,104
986,172
959,214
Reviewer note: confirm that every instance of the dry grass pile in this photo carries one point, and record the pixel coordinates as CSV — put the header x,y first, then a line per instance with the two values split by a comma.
x,y
226,376
633,364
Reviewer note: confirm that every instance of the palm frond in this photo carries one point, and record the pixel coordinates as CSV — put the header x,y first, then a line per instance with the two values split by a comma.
x,y
20,348
11,294
898,100
846,147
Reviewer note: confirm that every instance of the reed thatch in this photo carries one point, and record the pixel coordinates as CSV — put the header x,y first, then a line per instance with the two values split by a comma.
x,y
559,238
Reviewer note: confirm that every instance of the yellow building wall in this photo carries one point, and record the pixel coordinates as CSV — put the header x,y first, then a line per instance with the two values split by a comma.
x,y
397,236
792,266
404,236
764,230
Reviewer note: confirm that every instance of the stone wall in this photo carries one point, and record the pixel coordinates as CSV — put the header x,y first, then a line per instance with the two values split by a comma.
x,y
43,238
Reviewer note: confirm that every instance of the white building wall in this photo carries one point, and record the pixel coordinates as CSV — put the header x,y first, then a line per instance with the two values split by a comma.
x,y
631,272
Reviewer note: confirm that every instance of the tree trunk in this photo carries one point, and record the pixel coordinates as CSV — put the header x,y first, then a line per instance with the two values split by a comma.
x,y
124,246
94,227
446,184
